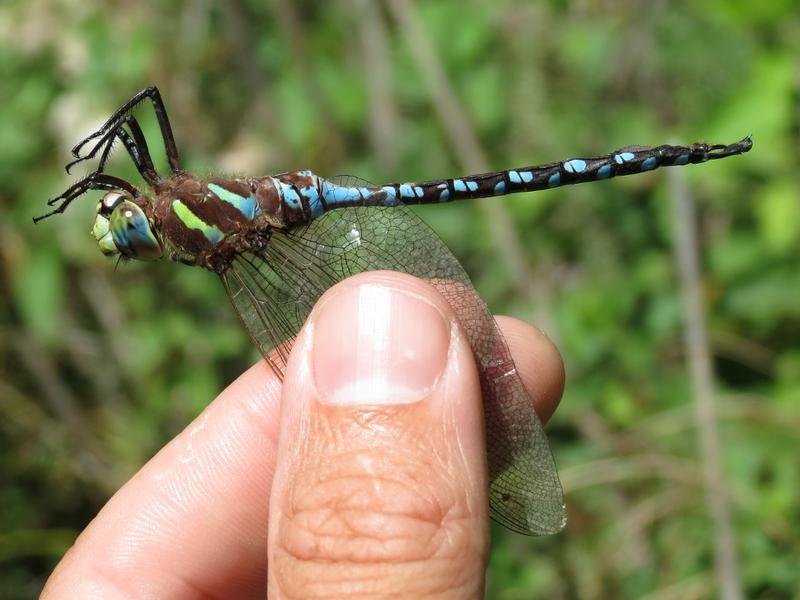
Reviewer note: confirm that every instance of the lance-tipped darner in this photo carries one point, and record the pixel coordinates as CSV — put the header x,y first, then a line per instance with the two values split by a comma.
x,y
278,242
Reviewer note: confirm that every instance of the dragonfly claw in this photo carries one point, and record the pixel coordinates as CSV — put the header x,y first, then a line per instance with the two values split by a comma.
x,y
76,149
74,162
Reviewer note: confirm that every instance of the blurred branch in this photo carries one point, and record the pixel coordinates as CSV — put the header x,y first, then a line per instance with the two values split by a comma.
x,y
697,349
745,351
252,77
633,467
57,395
473,159
295,35
635,552
86,461
634,543
107,308
378,69
105,304
692,588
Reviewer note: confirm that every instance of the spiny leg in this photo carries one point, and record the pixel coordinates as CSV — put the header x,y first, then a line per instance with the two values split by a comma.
x,y
136,146
152,94
94,181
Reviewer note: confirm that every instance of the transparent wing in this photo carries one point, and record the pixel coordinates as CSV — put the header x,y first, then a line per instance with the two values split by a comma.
x,y
275,291
345,180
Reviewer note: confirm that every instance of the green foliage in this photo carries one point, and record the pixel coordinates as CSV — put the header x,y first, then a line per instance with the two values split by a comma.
x,y
99,367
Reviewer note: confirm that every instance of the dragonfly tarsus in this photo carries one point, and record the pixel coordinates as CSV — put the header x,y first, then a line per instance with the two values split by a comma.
x,y
149,93
134,142
93,181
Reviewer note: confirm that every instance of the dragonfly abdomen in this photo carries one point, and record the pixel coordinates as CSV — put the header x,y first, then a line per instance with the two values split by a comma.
x,y
626,161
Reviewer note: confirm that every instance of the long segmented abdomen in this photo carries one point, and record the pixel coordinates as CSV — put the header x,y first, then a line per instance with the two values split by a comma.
x,y
626,161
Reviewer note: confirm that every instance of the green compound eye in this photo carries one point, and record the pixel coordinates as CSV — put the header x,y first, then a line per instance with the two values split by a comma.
x,y
131,232
102,234
121,227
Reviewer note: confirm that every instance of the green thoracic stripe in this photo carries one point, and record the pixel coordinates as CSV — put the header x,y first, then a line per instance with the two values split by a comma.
x,y
192,221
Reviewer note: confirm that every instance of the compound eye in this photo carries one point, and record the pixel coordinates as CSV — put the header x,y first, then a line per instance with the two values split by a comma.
x,y
132,232
110,201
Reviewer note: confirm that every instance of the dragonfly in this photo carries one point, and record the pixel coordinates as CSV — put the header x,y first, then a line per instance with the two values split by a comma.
x,y
277,242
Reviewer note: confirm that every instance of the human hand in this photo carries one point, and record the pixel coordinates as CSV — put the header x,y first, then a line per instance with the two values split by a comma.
x,y
363,474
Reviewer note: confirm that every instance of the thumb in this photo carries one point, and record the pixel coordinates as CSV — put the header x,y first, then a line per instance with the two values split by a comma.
x,y
380,485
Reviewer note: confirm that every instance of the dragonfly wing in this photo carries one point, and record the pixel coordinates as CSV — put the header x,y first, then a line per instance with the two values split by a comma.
x,y
264,304
350,181
275,291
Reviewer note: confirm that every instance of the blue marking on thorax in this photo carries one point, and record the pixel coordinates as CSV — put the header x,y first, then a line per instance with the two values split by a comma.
x,y
623,157
500,188
444,194
683,159
514,177
527,176
472,186
604,171
418,191
459,185
554,180
649,163
213,235
244,204
576,165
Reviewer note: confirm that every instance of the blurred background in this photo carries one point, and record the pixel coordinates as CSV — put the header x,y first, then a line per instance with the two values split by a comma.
x,y
99,366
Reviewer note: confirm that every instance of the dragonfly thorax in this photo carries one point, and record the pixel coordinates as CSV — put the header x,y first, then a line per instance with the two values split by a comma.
x,y
122,228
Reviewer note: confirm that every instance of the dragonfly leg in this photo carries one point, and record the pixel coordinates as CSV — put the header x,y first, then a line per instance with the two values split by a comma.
x,y
135,143
152,94
94,181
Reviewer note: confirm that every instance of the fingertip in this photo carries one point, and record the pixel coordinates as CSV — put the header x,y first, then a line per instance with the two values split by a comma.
x,y
538,363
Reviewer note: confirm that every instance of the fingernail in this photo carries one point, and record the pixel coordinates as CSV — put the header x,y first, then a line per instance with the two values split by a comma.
x,y
374,344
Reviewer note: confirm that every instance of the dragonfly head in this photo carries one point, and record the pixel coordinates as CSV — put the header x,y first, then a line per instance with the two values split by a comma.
x,y
122,228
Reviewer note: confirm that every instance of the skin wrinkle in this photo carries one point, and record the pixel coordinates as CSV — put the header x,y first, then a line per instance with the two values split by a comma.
x,y
417,580
300,540
345,492
95,572
104,580
433,540
261,409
